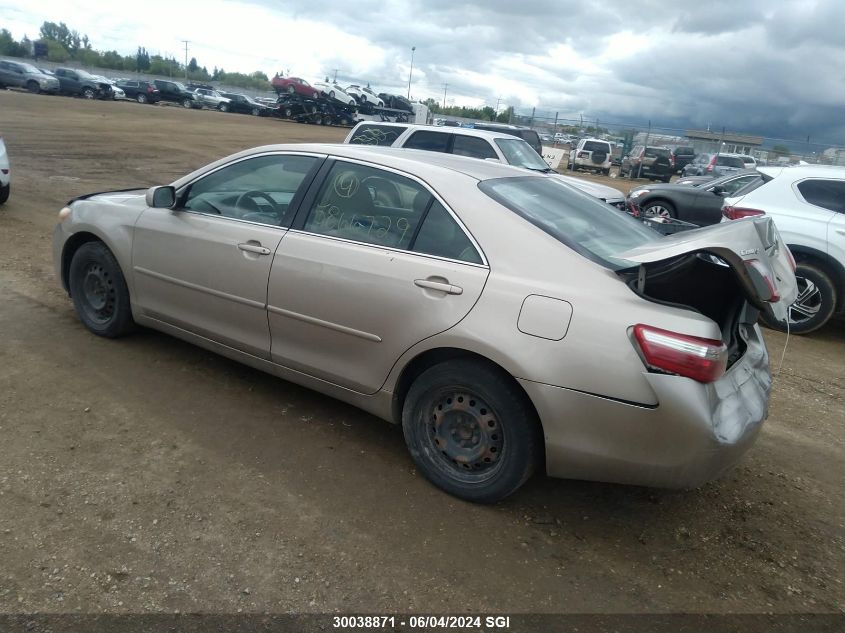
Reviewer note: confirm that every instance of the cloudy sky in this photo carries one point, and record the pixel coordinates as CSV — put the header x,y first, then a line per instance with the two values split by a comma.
x,y
761,66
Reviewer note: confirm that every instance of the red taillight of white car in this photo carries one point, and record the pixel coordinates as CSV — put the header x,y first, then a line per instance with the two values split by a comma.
x,y
737,213
701,359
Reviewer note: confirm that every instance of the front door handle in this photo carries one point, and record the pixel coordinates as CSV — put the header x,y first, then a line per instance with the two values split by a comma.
x,y
254,247
439,285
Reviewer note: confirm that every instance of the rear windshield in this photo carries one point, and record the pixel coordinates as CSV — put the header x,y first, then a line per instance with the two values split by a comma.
x,y
376,134
651,152
684,151
730,161
596,146
585,224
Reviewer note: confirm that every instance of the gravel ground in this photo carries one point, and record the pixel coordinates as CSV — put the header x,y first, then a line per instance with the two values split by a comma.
x,y
146,475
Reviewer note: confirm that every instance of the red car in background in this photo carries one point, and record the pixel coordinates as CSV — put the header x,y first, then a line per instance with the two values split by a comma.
x,y
293,85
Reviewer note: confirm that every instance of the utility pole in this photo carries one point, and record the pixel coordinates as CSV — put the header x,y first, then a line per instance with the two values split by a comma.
x,y
445,87
186,59
498,100
334,81
411,72
555,129
640,166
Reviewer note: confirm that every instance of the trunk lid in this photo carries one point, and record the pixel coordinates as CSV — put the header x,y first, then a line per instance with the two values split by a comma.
x,y
752,247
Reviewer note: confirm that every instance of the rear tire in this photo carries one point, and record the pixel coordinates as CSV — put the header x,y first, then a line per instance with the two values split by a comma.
x,y
256,112
187,103
815,304
291,89
99,291
471,431
141,97
223,107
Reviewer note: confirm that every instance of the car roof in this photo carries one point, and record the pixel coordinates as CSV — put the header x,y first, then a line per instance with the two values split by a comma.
x,y
804,171
421,163
468,131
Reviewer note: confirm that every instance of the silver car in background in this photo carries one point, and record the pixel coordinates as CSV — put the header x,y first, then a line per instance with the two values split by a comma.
x,y
508,322
23,75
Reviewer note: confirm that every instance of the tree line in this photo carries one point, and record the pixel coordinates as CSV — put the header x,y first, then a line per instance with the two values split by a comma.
x,y
64,44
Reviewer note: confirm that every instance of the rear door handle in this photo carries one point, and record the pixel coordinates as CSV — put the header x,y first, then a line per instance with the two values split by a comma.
x,y
439,285
254,247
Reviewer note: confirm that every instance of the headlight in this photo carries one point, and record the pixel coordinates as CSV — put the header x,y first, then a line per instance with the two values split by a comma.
x,y
637,193
64,214
44,82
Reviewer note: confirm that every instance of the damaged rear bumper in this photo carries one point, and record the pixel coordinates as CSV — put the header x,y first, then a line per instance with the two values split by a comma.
x,y
694,434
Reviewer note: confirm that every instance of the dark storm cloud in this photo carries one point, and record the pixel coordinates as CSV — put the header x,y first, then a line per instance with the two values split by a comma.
x,y
774,68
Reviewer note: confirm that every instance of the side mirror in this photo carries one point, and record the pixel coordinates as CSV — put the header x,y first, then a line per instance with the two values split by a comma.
x,y
719,190
161,197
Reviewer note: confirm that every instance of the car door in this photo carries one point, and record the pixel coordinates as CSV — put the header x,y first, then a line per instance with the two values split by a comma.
x,y
203,266
705,206
374,263
825,198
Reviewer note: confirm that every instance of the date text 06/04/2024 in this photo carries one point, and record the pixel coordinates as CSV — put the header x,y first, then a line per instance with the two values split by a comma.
x,y
421,621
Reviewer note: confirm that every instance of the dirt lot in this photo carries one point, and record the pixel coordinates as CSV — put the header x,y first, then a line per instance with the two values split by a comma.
x,y
146,475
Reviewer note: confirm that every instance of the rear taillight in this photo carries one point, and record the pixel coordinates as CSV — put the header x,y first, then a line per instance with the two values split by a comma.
x,y
711,164
763,281
737,213
672,159
701,359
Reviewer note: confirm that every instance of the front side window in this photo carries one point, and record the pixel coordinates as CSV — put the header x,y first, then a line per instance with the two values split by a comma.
x,y
828,194
428,141
585,224
473,147
520,154
257,189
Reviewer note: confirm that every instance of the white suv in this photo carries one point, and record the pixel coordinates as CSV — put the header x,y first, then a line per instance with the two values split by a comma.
x,y
807,203
591,153
473,143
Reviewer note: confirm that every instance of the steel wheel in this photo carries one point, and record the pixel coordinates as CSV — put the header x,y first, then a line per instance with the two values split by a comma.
x,y
470,430
465,435
98,293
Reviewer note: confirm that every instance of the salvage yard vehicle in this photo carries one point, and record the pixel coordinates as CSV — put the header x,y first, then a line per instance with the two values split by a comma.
x,y
397,102
176,92
807,203
364,95
73,81
5,173
682,156
140,91
23,75
210,98
245,105
714,165
334,91
474,143
295,85
700,205
648,162
591,153
446,310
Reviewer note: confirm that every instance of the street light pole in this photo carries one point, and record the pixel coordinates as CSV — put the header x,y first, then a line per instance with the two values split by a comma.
x,y
186,59
411,72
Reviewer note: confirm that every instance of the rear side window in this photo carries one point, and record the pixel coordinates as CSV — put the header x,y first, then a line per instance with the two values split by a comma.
x,y
730,161
828,194
375,134
429,141
440,235
473,147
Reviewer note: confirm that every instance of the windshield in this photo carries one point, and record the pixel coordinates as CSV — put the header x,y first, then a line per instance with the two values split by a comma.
x,y
520,154
588,226
30,68
84,75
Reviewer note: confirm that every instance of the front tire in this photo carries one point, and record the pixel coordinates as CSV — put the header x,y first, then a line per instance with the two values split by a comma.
x,y
471,430
88,93
223,107
4,193
256,112
141,97
659,209
815,303
187,103
33,87
99,291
